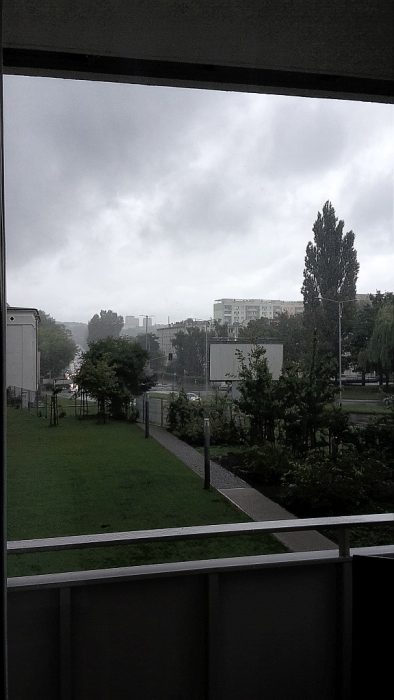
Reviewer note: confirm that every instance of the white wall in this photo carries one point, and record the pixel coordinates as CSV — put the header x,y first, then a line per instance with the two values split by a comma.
x,y
21,357
224,364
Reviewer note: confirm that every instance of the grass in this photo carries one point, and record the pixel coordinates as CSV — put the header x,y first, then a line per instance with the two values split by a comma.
x,y
84,478
366,408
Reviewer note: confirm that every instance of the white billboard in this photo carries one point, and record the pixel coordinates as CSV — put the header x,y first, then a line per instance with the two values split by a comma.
x,y
224,363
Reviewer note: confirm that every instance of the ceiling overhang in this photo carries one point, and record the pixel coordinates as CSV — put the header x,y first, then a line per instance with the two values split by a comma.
x,y
326,48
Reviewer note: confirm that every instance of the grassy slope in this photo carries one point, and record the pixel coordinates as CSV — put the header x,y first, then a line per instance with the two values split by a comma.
x,y
82,478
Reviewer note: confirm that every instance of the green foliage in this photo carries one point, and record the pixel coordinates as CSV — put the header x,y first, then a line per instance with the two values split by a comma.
x,y
331,271
321,486
302,393
257,394
56,346
283,328
381,344
107,325
190,348
113,371
186,420
264,464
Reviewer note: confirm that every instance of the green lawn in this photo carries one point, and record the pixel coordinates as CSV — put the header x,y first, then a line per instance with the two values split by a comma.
x,y
84,478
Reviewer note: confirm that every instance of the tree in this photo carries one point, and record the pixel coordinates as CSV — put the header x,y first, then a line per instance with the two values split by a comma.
x,y
381,344
107,325
331,271
56,346
302,392
284,328
190,352
156,356
256,390
113,370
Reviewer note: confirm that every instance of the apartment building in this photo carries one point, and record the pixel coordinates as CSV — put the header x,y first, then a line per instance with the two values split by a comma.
x,y
244,310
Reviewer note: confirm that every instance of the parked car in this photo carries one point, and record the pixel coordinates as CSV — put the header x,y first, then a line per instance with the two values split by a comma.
x,y
192,396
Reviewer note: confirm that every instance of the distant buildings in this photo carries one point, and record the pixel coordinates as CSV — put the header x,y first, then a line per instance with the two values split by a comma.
x,y
22,358
242,311
166,334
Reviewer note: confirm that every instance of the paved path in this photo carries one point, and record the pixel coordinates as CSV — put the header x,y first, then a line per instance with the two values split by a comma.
x,y
243,496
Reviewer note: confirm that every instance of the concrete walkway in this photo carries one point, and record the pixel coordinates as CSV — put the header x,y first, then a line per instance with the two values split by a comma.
x,y
239,493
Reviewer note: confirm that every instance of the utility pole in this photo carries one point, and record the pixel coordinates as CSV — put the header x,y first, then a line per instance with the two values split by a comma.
x,y
340,310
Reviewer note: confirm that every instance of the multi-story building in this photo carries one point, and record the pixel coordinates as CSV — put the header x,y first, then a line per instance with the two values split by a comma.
x,y
242,311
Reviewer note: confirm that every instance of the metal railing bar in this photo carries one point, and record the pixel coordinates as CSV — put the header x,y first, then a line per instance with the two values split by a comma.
x,y
189,568
194,532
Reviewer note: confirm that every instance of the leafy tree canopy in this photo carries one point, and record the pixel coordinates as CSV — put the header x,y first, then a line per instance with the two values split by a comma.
x,y
190,352
113,370
330,273
381,344
256,394
287,329
56,346
106,325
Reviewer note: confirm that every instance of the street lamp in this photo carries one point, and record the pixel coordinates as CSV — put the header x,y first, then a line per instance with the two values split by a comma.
x,y
340,310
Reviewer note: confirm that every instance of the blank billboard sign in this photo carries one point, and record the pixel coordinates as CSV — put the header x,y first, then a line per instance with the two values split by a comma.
x,y
224,363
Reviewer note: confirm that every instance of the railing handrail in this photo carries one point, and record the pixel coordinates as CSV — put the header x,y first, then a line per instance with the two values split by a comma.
x,y
341,523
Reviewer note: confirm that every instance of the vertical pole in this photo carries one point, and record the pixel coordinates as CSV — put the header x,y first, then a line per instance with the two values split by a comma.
x,y
206,360
207,461
3,424
340,350
147,416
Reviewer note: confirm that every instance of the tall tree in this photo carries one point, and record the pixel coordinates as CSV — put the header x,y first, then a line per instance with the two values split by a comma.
x,y
56,346
190,350
331,271
106,325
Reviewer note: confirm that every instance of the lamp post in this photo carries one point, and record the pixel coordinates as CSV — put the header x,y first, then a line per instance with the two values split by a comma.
x,y
340,311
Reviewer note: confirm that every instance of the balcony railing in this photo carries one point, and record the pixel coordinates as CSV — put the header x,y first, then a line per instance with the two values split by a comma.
x,y
272,626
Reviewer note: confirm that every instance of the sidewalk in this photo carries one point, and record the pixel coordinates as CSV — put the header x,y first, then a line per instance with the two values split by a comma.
x,y
239,493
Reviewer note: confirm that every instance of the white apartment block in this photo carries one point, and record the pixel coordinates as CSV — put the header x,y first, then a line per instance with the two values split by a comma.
x,y
244,310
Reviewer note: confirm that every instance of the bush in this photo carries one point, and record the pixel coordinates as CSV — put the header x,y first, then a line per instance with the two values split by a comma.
x,y
265,464
320,485
186,420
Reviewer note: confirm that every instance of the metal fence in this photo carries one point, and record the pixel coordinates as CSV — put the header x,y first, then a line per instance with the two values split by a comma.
x,y
23,398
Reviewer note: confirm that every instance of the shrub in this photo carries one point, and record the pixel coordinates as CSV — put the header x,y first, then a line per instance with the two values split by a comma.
x,y
320,485
265,464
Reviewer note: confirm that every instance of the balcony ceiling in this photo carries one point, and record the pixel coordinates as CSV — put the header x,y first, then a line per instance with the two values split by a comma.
x,y
311,47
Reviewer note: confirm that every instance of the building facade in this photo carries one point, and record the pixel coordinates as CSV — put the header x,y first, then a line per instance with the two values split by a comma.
x,y
22,358
242,311
166,335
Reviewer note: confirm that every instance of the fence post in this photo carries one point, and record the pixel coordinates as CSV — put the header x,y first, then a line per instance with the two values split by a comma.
x,y
207,461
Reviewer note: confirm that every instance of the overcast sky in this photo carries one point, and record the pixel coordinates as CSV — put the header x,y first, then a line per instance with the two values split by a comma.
x,y
153,200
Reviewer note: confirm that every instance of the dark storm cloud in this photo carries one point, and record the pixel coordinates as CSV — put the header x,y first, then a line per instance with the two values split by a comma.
x,y
110,185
